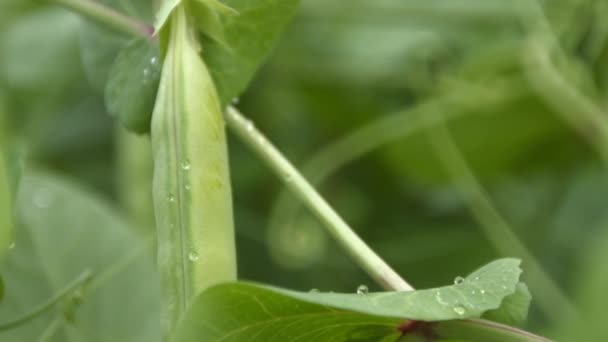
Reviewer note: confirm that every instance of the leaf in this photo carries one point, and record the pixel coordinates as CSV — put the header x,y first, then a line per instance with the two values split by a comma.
x,y
64,231
240,311
481,291
133,81
513,309
100,45
250,37
245,312
165,10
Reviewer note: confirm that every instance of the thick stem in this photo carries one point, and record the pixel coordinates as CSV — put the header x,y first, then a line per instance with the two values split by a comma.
x,y
377,268
108,17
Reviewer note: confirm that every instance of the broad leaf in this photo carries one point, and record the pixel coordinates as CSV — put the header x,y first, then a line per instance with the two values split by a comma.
x,y
240,311
132,85
64,231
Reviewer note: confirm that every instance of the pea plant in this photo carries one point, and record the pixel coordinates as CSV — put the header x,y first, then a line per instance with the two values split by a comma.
x,y
174,84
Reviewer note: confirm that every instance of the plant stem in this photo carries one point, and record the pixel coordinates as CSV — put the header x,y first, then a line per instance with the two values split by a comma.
x,y
496,229
482,330
377,268
44,307
108,17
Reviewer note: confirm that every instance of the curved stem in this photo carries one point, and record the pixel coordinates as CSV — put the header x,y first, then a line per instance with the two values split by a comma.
x,y
108,17
387,130
377,268
44,307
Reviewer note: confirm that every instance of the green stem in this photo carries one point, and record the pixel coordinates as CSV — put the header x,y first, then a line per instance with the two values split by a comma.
x,y
46,306
577,109
496,229
108,17
377,268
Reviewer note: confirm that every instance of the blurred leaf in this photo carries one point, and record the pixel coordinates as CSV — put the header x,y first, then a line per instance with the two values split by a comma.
x,y
39,50
233,311
132,85
64,231
100,45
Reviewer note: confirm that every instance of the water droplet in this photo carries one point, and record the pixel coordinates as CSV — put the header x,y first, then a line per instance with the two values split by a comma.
x,y
12,245
235,101
362,289
186,165
473,292
314,291
171,198
459,310
43,199
458,280
477,278
187,187
146,72
483,292
193,256
153,60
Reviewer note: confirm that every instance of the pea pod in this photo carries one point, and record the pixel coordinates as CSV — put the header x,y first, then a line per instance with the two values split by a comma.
x,y
192,194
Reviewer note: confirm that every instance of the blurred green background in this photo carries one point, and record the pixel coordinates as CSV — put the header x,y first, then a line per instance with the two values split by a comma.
x,y
353,94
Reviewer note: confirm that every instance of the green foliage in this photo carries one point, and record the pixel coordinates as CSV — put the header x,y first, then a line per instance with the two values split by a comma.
x,y
249,36
342,65
234,311
63,231
132,85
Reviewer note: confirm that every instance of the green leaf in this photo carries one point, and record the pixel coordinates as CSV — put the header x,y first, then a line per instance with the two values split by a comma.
x,y
514,308
132,85
245,312
99,45
165,10
250,37
64,231
240,311
470,297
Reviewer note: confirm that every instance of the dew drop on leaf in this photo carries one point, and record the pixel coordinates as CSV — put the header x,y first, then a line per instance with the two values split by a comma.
x,y
314,291
459,310
458,280
193,256
362,289
186,165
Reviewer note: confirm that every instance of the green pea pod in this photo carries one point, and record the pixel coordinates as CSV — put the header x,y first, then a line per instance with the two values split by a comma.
x,y
192,193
